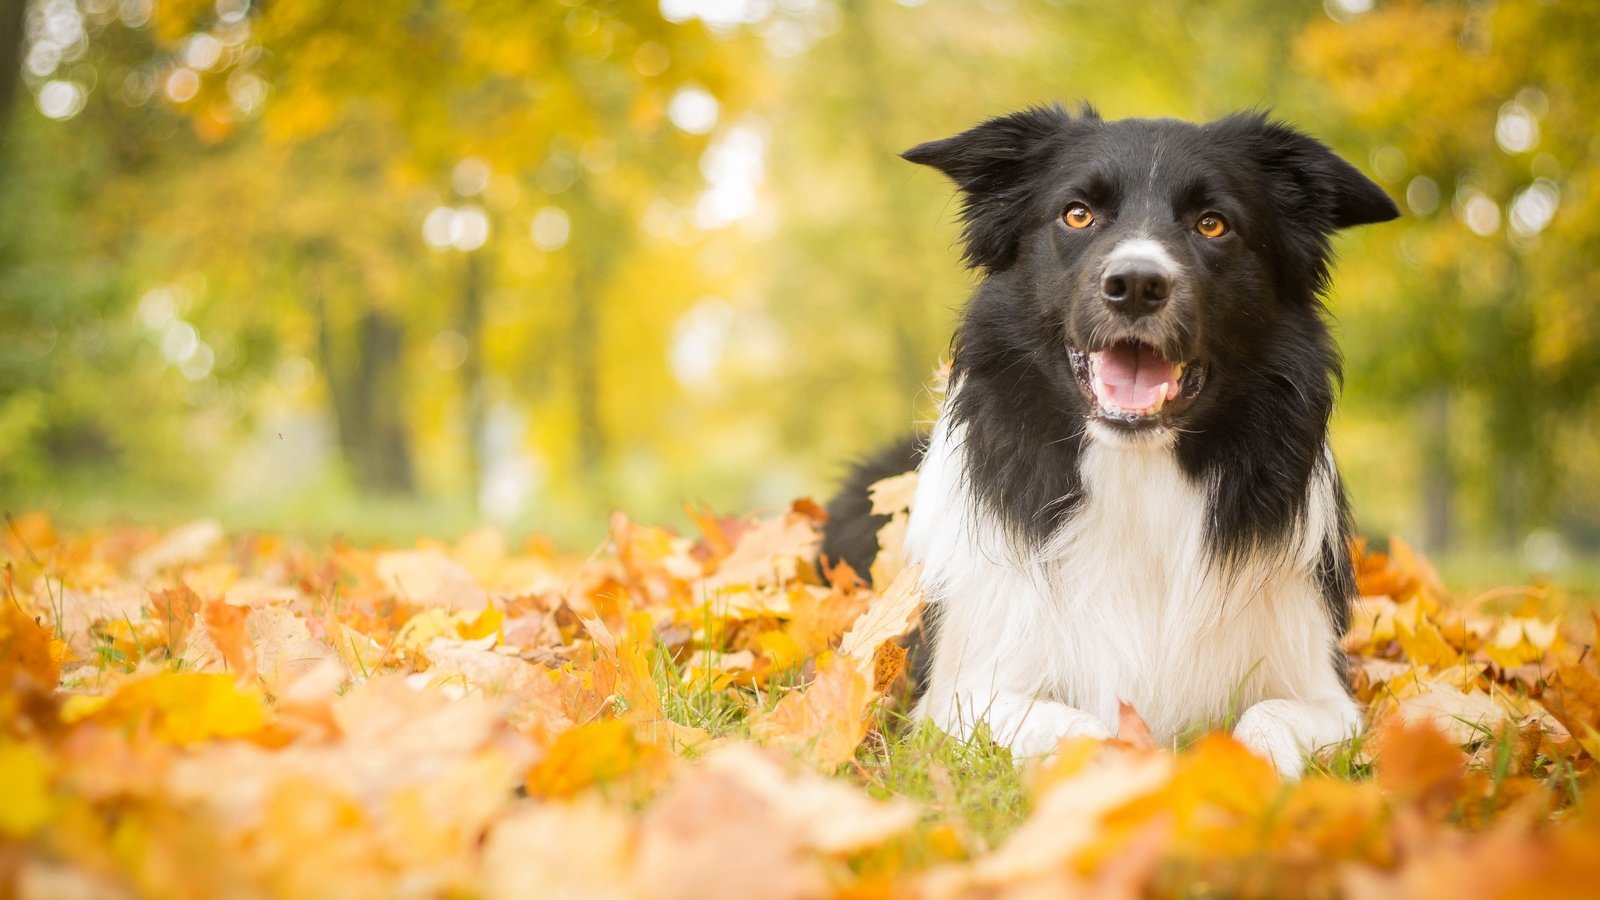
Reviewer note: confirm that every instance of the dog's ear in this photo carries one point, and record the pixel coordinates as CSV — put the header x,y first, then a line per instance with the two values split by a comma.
x,y
1317,183
991,163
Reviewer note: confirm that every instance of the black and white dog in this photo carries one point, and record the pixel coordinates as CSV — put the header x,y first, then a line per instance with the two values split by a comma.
x,y
1128,494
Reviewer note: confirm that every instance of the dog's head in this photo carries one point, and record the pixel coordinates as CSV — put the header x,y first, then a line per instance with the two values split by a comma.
x,y
1153,263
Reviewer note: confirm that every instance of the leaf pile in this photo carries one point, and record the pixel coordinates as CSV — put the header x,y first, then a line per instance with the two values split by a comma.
x,y
196,714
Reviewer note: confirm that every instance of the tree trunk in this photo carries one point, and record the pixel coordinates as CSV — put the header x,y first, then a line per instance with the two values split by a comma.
x,y
13,18
366,396
384,446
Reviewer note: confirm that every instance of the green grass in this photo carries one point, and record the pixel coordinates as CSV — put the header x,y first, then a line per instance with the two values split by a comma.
x,y
973,785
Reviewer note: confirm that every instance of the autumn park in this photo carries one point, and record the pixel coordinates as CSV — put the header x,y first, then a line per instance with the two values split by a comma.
x,y
418,420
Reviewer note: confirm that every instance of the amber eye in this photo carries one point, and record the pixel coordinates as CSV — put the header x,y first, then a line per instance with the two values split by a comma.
x,y
1078,216
1211,225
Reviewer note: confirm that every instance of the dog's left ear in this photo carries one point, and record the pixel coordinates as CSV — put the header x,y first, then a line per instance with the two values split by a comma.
x,y
1315,180
991,163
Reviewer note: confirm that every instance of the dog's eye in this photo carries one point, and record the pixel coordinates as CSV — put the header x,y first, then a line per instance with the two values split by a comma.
x,y
1078,216
1211,225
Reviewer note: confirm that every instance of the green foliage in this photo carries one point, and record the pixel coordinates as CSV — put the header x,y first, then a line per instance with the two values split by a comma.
x,y
722,309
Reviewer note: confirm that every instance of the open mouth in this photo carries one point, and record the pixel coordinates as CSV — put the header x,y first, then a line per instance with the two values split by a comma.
x,y
1131,385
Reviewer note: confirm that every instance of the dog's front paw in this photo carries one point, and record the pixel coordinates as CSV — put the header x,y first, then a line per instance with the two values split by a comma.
x,y
1275,729
1034,730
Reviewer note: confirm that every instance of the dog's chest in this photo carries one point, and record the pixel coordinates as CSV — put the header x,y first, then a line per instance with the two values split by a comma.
x,y
1124,604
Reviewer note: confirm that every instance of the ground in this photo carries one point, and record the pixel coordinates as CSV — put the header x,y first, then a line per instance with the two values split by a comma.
x,y
188,712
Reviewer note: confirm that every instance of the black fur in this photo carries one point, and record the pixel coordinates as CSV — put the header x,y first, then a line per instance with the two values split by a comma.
x,y
851,534
1246,307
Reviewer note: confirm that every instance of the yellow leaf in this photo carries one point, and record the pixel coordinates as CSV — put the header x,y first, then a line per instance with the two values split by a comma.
x,y
181,707
420,630
490,621
1424,645
25,785
599,753
781,648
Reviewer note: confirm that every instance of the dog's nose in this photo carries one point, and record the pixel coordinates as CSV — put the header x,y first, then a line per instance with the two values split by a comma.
x,y
1136,286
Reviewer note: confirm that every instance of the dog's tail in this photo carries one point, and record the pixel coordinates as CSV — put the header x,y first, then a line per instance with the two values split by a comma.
x,y
851,535
851,532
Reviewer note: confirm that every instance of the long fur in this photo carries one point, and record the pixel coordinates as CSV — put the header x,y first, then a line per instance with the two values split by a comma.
x,y
1198,569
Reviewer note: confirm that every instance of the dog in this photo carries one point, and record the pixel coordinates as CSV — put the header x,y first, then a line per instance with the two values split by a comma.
x,y
1128,495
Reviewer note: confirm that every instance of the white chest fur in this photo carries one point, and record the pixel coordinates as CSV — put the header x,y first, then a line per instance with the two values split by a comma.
x,y
1125,603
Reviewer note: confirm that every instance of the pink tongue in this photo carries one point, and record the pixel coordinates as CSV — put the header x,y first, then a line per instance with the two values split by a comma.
x,y
1131,376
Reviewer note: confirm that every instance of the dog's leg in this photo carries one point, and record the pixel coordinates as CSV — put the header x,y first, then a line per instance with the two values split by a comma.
x,y
1284,731
1029,726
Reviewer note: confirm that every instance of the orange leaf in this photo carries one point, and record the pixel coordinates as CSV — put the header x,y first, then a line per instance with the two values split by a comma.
x,y
1418,762
1132,729
225,623
175,608
825,720
27,647
887,665
599,753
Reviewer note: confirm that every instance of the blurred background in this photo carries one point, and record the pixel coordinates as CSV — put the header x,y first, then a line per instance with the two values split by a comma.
x,y
398,267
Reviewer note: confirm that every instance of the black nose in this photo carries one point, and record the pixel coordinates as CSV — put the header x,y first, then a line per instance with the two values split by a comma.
x,y
1136,286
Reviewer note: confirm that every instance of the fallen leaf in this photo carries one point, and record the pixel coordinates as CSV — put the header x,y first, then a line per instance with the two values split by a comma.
x,y
605,754
887,617
1131,728
180,707
225,624
893,494
27,648
825,720
428,578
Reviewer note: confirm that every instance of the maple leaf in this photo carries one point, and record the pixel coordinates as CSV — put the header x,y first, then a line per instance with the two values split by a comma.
x,y
177,610
887,617
180,707
1420,762
825,720
27,648
771,551
605,753
531,693
225,624
893,494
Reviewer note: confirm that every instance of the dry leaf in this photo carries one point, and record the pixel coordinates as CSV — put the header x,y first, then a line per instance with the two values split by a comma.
x,y
825,720
887,617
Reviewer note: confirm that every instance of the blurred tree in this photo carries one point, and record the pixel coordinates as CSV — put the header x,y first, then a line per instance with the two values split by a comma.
x,y
1485,331
362,112
653,250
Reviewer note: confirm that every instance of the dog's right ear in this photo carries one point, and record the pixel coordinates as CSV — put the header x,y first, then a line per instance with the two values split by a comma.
x,y
991,163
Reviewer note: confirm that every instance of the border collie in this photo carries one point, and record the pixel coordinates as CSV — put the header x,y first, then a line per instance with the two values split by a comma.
x,y
1128,494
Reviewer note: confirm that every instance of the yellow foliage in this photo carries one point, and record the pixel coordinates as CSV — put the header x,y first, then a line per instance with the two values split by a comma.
x,y
180,707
